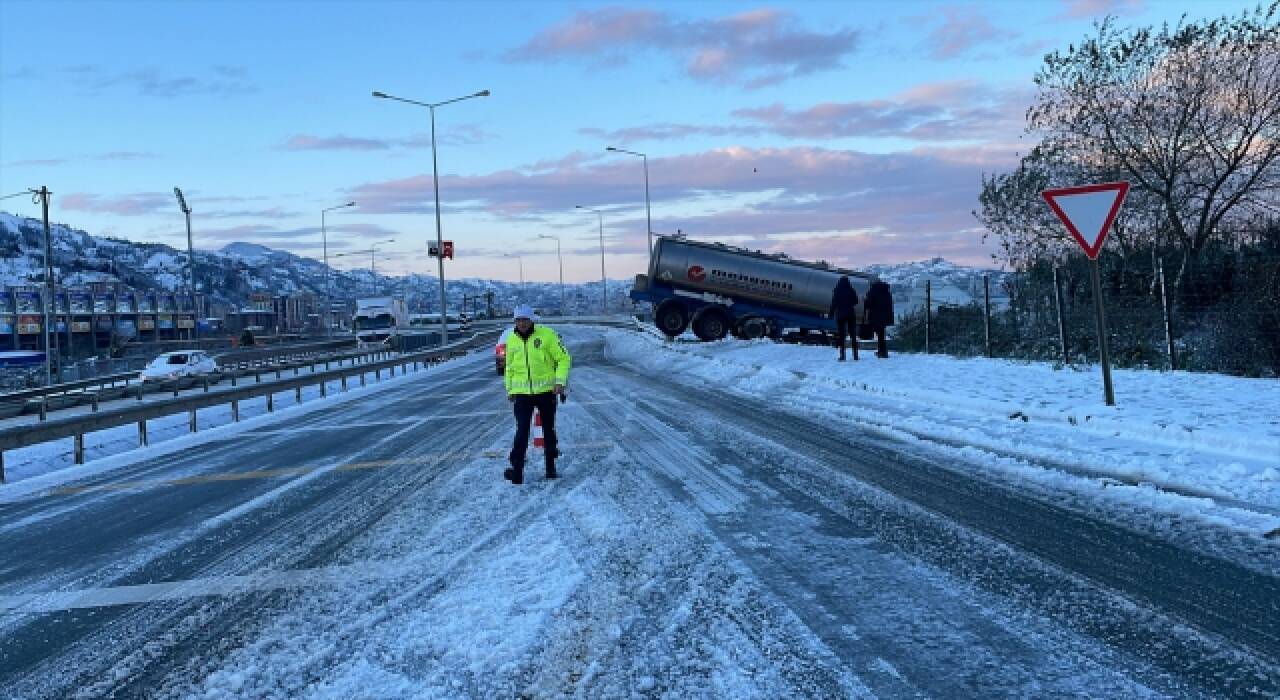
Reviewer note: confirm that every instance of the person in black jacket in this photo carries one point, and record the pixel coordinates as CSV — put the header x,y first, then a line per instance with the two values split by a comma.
x,y
844,309
877,312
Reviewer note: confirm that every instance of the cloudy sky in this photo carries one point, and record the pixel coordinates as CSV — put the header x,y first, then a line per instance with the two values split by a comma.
x,y
850,131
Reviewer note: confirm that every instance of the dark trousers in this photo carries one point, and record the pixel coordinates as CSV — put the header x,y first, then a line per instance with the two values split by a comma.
x,y
524,406
882,347
849,327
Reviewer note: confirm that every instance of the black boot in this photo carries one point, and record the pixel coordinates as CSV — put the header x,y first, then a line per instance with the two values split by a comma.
x,y
515,474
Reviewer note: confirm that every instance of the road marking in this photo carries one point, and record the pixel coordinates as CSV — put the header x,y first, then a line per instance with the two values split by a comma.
x,y
28,603
295,471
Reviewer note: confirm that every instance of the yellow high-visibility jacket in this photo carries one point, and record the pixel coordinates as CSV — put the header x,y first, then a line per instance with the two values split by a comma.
x,y
536,365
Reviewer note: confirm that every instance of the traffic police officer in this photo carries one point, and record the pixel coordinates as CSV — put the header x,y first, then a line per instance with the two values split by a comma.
x,y
537,372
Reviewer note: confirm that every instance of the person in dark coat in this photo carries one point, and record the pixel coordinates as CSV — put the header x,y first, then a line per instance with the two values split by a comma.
x,y
844,309
877,312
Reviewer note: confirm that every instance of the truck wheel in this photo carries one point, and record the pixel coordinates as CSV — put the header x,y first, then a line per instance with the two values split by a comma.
x,y
710,324
752,327
671,317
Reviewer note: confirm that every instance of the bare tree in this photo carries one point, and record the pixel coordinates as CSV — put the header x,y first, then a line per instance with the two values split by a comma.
x,y
1011,209
1190,114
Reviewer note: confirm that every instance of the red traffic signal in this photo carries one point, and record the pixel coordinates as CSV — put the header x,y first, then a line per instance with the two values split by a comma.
x,y
448,249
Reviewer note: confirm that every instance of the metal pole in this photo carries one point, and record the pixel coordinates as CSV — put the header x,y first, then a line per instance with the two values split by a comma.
x,y
191,272
928,304
48,279
1062,323
1109,394
435,180
647,217
986,309
604,283
328,303
1168,318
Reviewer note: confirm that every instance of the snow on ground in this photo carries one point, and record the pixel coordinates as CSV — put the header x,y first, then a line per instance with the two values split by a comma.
x,y
1197,435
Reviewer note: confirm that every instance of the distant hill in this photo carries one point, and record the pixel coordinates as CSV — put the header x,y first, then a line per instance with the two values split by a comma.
x,y
247,251
229,276
950,283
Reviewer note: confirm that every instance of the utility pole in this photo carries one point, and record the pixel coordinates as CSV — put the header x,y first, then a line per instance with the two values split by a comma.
x,y
50,311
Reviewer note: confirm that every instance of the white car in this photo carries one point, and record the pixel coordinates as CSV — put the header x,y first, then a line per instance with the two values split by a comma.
x,y
180,363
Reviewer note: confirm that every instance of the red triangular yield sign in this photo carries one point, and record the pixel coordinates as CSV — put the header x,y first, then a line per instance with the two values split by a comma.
x,y
1088,211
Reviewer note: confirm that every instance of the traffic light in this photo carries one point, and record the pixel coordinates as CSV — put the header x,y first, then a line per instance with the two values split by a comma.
x,y
448,249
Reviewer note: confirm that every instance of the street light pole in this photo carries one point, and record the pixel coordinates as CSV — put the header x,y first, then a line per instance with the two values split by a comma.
x,y
328,294
559,258
604,283
372,251
435,179
373,270
647,216
191,257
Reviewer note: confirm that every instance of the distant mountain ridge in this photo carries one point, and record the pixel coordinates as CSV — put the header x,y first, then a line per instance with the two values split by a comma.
x,y
229,276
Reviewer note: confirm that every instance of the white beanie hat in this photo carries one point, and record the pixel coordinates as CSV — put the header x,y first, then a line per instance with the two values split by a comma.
x,y
525,311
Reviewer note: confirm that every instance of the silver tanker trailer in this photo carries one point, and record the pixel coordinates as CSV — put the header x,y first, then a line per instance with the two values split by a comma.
x,y
718,289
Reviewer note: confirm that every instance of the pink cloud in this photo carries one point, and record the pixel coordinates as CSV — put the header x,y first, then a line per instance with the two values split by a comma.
x,y
265,233
963,28
464,134
758,48
1081,9
38,162
307,142
958,110
948,111
140,204
924,196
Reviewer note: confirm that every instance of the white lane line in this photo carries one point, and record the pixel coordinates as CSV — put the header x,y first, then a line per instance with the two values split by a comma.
x,y
31,603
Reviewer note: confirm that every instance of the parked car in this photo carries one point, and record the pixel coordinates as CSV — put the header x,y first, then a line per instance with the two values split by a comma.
x,y
180,363
500,352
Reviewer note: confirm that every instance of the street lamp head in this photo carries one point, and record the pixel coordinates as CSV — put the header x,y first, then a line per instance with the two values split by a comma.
x,y
182,201
482,93
379,94
610,148
349,204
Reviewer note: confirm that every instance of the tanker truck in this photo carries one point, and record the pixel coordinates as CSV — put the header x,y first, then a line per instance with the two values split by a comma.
x,y
717,289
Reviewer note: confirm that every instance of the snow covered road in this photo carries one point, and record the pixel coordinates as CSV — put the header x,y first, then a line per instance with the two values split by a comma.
x,y
702,542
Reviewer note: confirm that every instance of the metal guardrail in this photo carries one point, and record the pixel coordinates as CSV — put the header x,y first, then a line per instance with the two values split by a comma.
x,y
56,397
77,426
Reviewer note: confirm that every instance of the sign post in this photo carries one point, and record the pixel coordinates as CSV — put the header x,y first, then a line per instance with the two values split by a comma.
x,y
1088,212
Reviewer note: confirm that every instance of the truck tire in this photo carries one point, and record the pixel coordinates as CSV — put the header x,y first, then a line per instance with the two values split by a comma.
x,y
710,324
752,328
671,317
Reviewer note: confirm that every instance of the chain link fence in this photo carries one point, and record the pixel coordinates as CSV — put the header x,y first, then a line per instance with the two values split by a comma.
x,y
1223,316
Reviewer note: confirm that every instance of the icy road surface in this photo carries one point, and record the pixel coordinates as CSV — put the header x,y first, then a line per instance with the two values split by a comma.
x,y
702,541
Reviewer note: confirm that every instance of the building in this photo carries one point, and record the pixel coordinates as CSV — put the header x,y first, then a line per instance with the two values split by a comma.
x,y
99,316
